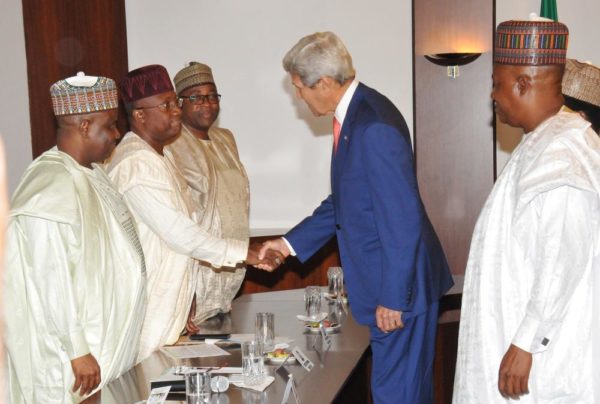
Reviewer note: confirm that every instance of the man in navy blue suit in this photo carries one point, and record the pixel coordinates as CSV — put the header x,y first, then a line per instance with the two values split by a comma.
x,y
394,266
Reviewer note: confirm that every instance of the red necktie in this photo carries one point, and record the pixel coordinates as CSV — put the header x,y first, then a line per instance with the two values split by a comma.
x,y
336,133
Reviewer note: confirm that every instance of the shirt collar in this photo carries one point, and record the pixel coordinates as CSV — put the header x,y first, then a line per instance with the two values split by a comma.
x,y
342,107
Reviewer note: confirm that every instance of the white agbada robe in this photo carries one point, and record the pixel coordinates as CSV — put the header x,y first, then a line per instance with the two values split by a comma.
x,y
75,279
533,275
160,201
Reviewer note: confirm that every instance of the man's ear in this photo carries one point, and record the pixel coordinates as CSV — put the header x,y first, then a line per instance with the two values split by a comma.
x,y
138,115
523,84
327,82
84,127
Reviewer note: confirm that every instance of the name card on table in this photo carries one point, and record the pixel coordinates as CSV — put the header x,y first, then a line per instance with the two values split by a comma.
x,y
290,386
302,359
159,395
326,338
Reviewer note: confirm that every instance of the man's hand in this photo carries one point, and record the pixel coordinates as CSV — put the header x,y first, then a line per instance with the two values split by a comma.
x,y
190,327
513,375
269,261
87,374
387,319
276,248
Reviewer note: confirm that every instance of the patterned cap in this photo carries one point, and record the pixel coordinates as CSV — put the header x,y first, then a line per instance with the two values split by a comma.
x,y
582,82
83,94
193,74
533,43
144,82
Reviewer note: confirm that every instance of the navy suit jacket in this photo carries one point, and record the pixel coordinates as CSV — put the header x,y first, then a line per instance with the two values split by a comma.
x,y
389,251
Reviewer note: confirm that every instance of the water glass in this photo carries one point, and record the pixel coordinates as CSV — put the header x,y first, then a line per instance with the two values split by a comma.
x,y
264,331
253,366
312,301
197,387
335,281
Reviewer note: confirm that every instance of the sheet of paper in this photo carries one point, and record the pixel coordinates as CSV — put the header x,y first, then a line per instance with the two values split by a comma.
x,y
194,351
259,387
239,338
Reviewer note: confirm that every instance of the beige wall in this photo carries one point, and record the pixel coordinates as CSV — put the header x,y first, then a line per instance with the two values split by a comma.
x,y
581,16
14,102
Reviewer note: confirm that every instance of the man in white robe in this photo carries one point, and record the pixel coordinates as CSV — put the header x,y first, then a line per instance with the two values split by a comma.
x,y
207,156
581,88
530,322
75,272
160,200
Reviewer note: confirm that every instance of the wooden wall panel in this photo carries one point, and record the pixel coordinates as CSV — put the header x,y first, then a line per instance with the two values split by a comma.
x,y
63,37
292,274
454,144
453,130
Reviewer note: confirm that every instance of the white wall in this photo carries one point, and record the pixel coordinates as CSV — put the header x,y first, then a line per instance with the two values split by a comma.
x,y
581,16
285,149
14,103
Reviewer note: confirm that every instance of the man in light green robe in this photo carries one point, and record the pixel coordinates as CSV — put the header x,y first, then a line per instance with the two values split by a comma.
x,y
207,156
75,272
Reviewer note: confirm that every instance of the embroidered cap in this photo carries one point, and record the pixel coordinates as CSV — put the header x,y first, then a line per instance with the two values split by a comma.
x,y
582,82
535,43
144,82
192,75
83,94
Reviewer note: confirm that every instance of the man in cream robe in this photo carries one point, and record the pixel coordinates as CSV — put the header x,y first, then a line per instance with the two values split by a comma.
x,y
75,273
530,320
160,201
207,157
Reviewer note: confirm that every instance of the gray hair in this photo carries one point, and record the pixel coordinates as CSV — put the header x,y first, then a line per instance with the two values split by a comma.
x,y
318,55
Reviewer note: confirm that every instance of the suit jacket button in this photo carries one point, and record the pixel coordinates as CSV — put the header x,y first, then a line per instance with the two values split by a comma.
x,y
337,226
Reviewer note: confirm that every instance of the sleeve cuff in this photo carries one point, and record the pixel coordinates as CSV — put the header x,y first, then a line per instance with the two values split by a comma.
x,y
75,344
237,251
532,336
289,246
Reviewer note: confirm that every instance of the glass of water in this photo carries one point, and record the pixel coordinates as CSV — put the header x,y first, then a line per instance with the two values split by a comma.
x,y
312,301
197,387
264,331
335,281
253,366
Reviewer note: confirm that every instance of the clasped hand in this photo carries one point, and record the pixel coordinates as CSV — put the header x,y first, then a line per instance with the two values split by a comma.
x,y
263,257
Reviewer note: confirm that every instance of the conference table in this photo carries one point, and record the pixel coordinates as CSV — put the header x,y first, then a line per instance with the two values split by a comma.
x,y
322,384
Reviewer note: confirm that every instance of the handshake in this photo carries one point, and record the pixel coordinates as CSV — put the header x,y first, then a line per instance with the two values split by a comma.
x,y
269,255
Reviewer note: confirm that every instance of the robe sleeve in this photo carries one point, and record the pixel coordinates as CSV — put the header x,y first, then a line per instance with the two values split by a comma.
x,y
558,250
179,232
55,261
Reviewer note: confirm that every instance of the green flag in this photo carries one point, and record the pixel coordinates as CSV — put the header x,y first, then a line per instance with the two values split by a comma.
x,y
549,10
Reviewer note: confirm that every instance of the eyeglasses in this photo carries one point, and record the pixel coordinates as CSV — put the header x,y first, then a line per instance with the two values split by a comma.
x,y
166,106
199,99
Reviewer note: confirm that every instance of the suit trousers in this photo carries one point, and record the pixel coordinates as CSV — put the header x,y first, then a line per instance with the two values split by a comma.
x,y
402,370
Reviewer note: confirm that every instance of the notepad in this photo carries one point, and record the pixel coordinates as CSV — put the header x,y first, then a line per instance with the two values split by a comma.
x,y
194,351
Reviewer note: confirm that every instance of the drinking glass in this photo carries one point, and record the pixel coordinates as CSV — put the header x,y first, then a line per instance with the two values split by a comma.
x,y
312,301
253,363
335,281
197,387
264,331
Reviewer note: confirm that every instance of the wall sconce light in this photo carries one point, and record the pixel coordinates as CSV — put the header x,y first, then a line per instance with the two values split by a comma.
x,y
452,61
